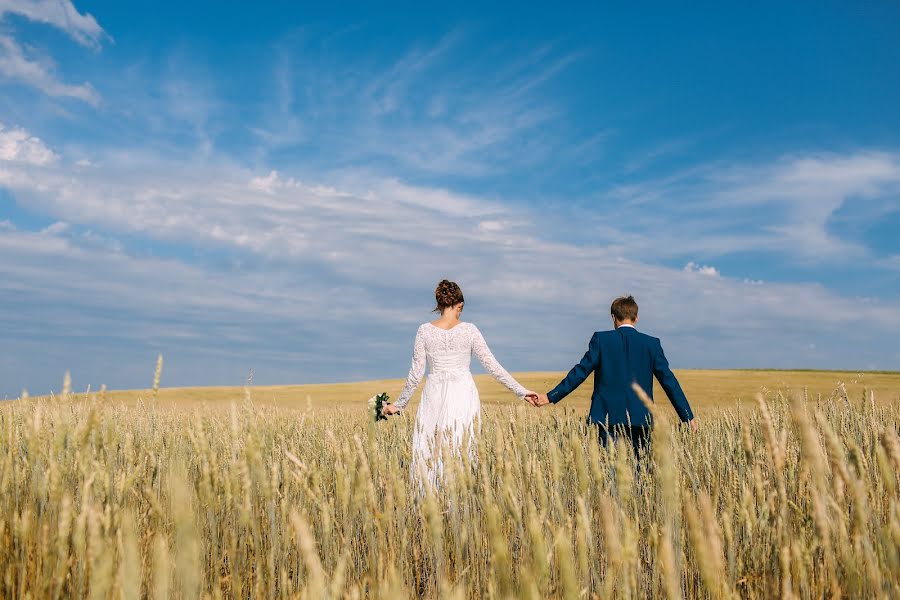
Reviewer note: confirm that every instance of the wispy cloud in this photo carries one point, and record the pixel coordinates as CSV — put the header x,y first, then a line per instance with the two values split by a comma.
x,y
62,14
891,262
657,152
424,110
40,73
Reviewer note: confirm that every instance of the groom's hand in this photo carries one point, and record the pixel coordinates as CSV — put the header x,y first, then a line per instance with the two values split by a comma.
x,y
542,400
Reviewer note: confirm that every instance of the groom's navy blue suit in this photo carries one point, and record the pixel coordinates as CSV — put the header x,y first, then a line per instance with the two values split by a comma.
x,y
619,358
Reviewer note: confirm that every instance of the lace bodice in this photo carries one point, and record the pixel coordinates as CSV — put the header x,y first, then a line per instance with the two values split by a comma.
x,y
450,351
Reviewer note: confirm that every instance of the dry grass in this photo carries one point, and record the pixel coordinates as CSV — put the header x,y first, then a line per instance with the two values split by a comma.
x,y
774,498
706,389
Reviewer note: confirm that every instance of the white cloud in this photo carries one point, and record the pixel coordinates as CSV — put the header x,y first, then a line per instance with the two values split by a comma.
x,y
784,207
271,183
18,145
366,231
271,216
62,14
807,191
40,74
706,270
492,226
55,228
268,254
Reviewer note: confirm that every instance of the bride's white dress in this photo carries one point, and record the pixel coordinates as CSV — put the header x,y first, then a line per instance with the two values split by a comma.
x,y
450,402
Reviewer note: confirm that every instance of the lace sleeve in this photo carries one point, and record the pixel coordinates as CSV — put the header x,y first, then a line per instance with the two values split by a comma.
x,y
415,371
487,360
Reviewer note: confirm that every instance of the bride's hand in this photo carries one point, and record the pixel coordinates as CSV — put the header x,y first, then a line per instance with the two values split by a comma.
x,y
389,410
531,398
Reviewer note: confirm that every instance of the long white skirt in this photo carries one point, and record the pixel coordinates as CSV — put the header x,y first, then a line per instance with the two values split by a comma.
x,y
444,422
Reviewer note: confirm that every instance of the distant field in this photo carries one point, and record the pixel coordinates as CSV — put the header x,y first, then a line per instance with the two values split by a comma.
x,y
706,390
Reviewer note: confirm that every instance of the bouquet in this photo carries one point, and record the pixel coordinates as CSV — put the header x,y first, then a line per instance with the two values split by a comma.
x,y
377,404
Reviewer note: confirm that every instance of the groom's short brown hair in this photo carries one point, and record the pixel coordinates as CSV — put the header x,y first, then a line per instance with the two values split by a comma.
x,y
624,308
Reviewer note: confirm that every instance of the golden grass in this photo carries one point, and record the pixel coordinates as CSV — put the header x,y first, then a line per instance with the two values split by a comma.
x,y
774,497
705,389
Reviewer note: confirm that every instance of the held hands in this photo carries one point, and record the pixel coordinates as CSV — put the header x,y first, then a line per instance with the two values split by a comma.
x,y
537,400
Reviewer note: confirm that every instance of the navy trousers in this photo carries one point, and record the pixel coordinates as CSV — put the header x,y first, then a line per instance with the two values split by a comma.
x,y
639,437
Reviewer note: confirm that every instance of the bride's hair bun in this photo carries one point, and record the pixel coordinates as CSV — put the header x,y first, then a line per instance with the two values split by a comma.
x,y
447,294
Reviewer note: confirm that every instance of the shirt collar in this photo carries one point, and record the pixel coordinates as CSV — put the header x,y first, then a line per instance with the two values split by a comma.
x,y
626,325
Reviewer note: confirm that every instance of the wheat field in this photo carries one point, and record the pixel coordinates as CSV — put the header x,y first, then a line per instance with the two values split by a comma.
x,y
786,494
707,390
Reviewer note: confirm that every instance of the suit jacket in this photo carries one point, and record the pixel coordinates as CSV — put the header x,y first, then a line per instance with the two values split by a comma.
x,y
617,358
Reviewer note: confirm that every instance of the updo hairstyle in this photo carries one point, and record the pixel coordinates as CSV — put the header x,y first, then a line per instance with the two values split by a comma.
x,y
446,295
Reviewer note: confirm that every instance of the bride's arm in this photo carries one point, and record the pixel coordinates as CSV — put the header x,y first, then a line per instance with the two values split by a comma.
x,y
490,364
415,372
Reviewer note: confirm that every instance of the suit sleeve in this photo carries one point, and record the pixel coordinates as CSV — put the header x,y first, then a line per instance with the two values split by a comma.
x,y
670,384
579,372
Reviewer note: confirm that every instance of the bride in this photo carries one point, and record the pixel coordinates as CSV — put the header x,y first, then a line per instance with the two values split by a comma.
x,y
450,402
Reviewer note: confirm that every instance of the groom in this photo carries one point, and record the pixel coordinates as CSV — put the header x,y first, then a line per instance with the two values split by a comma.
x,y
619,358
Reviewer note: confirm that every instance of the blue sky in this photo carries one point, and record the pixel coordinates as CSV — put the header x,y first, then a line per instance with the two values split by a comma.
x,y
279,188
